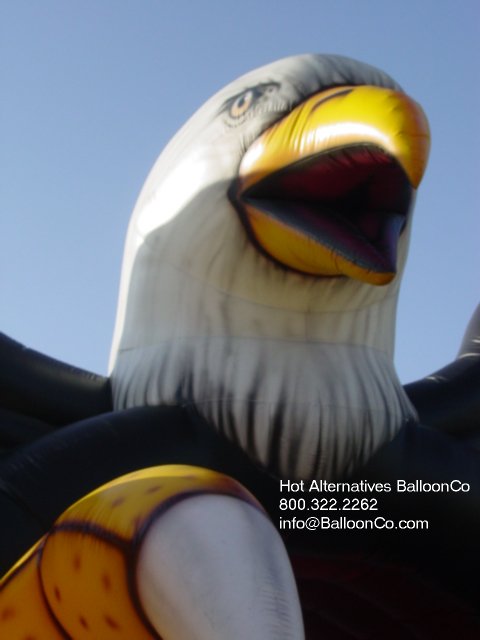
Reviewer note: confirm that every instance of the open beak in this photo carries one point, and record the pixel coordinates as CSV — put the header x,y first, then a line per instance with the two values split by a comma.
x,y
327,189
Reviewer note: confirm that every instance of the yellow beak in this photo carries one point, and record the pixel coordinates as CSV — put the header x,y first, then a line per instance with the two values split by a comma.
x,y
327,189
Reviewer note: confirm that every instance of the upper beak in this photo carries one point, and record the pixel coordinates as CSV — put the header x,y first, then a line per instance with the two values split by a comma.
x,y
326,190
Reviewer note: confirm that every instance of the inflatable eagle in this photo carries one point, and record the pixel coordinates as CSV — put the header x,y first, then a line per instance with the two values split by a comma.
x,y
253,397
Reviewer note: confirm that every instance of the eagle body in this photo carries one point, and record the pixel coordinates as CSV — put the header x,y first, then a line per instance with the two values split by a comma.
x,y
253,345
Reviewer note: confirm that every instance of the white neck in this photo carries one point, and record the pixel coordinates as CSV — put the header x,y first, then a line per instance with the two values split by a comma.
x,y
307,387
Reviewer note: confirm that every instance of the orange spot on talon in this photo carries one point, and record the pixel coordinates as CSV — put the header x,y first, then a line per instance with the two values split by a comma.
x,y
7,613
153,489
77,562
107,582
113,624
83,622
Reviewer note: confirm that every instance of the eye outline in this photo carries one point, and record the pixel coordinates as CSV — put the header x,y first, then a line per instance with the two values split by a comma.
x,y
251,96
242,104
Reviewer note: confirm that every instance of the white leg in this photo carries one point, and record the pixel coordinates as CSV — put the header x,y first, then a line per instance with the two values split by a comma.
x,y
213,567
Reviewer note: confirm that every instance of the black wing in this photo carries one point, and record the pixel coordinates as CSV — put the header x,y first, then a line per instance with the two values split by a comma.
x,y
449,399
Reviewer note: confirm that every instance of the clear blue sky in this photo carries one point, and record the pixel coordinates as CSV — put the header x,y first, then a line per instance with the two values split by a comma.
x,y
92,91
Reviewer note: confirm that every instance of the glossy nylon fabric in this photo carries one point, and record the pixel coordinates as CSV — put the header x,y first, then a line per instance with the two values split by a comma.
x,y
52,392
41,479
65,466
450,397
199,304
81,578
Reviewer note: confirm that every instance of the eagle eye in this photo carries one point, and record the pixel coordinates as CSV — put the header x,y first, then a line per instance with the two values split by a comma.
x,y
242,104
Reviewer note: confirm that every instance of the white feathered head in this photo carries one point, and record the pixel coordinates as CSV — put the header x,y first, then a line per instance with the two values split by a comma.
x,y
263,262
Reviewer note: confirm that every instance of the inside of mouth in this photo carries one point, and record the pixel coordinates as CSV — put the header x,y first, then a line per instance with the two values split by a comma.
x,y
353,200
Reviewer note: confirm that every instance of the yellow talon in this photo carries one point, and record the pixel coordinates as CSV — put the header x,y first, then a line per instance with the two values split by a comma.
x,y
84,568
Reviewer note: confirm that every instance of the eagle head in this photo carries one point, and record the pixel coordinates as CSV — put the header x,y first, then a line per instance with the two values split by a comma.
x,y
263,263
